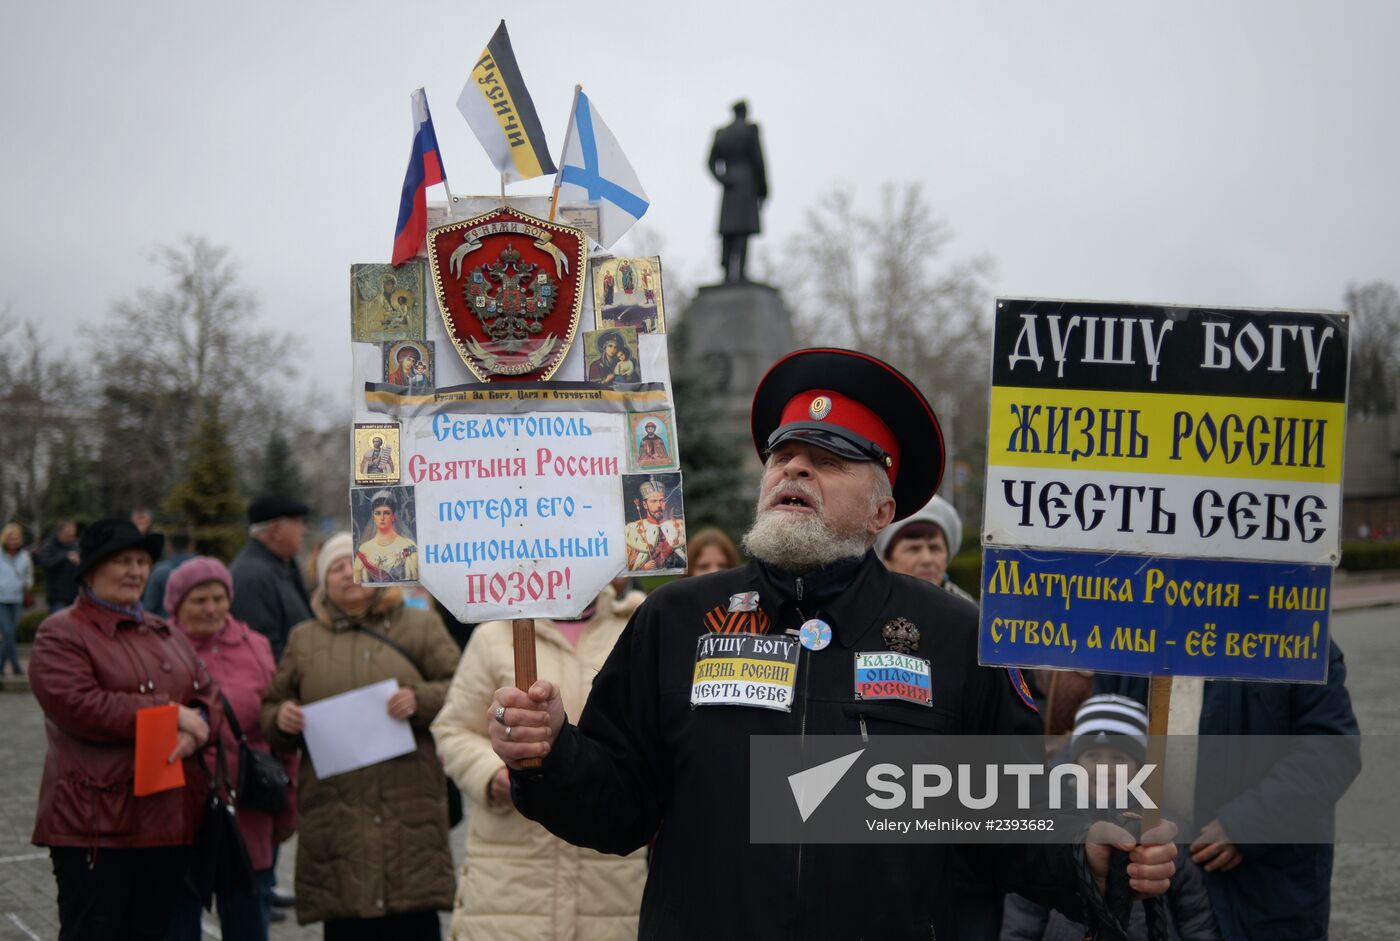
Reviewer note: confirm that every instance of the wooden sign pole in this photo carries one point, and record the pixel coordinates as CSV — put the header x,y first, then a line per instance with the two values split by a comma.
x,y
1159,703
524,636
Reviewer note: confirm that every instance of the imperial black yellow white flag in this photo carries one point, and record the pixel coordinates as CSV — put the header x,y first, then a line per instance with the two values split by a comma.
x,y
501,114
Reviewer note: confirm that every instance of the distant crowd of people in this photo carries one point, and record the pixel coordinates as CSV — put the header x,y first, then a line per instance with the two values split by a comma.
x,y
242,648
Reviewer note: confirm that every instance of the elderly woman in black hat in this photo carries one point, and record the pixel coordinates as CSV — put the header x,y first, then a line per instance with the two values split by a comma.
x,y
119,859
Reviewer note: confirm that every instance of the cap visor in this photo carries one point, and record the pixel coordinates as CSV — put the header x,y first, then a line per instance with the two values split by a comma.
x,y
830,439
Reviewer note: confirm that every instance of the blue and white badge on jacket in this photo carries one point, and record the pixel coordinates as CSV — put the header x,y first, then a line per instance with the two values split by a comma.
x,y
815,634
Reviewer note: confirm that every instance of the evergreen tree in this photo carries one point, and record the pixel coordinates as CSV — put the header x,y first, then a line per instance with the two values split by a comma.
x,y
206,498
280,473
72,491
717,491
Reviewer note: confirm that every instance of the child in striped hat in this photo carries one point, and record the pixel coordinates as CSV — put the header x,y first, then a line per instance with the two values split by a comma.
x,y
1109,731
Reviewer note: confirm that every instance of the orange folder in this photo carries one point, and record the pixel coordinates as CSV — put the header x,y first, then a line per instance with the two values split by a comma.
x,y
157,730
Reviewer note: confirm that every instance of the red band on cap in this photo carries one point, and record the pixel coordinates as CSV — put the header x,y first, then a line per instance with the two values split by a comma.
x,y
846,412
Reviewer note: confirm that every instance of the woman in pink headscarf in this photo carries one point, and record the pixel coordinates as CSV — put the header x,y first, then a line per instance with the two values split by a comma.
x,y
198,596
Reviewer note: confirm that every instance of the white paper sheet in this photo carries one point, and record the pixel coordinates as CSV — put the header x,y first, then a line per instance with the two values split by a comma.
x,y
354,730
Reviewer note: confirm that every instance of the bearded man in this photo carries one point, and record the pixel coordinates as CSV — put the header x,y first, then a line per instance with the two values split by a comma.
x,y
849,445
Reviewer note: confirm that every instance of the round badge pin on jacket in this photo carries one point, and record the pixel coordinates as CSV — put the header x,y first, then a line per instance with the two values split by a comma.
x,y
815,634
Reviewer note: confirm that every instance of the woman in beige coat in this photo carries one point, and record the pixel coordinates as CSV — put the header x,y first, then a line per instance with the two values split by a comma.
x,y
373,858
518,882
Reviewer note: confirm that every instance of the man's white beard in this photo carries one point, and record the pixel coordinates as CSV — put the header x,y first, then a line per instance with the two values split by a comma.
x,y
799,542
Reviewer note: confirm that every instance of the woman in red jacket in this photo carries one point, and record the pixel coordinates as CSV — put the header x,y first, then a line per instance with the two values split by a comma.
x,y
198,596
119,859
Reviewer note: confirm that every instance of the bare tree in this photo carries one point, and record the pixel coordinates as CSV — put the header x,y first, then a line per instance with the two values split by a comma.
x,y
1375,348
40,396
172,350
877,281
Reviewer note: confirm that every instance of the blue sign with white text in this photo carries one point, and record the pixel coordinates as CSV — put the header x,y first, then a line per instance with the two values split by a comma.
x,y
1150,615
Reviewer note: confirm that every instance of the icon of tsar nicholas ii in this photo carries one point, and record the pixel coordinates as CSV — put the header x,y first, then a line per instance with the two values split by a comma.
x,y
654,542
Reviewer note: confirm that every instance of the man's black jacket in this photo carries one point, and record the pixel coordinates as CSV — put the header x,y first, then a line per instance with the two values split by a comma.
x,y
268,593
643,763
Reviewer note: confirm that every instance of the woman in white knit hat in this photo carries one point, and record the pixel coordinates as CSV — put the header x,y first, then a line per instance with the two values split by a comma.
x,y
924,544
373,859
519,881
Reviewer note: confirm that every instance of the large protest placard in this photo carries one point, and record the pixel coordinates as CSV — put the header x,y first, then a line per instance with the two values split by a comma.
x,y
525,497
1127,440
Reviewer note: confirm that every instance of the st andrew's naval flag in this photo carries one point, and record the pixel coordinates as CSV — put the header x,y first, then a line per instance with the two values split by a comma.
x,y
595,170
501,114
424,169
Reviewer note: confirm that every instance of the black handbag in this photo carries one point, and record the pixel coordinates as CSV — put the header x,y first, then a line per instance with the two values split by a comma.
x,y
219,858
263,783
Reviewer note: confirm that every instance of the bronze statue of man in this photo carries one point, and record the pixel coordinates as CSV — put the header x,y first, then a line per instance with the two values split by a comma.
x,y
736,160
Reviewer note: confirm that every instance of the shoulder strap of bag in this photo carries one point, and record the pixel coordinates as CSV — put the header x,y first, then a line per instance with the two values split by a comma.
x,y
397,646
232,719
220,779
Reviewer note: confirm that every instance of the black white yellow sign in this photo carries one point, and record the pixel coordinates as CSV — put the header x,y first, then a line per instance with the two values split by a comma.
x,y
1213,433
745,670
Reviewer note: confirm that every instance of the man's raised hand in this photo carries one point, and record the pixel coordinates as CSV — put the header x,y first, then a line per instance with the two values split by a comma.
x,y
524,725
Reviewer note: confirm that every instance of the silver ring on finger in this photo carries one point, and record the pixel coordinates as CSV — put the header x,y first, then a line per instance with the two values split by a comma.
x,y
508,732
501,714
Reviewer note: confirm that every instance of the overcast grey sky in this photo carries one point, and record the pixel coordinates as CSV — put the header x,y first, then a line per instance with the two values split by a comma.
x,y
1232,153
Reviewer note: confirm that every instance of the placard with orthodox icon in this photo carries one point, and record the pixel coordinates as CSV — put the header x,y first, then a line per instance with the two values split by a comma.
x,y
409,363
386,303
511,288
655,533
627,293
610,357
651,441
385,523
377,458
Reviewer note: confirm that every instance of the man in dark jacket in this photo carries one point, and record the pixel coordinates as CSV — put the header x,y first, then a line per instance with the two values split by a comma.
x,y
268,592
59,559
1278,891
180,553
654,755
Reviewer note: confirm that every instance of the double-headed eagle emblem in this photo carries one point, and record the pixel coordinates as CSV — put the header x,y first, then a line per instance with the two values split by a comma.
x,y
510,289
511,297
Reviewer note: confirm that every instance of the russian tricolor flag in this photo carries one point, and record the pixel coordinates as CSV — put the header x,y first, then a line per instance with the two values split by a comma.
x,y
424,170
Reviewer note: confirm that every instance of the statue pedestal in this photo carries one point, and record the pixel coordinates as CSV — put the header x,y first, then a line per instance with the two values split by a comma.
x,y
737,332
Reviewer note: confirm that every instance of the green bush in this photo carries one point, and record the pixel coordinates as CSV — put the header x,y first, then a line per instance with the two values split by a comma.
x,y
1360,556
649,583
29,624
965,571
